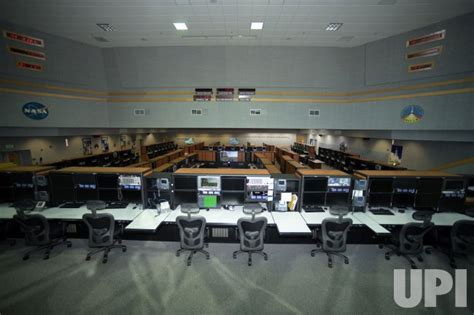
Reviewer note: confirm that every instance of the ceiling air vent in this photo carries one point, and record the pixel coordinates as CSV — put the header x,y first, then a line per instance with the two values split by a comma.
x,y
314,113
196,111
139,112
255,112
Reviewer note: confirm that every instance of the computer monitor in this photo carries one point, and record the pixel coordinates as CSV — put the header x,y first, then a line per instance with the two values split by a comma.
x,y
380,200
257,188
181,197
185,182
339,184
107,181
429,185
454,184
404,185
315,184
207,201
337,199
403,200
229,156
314,199
209,183
233,183
428,201
85,181
130,182
381,185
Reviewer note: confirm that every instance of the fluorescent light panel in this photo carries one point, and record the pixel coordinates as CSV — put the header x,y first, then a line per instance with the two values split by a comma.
x,y
332,27
180,26
256,26
106,27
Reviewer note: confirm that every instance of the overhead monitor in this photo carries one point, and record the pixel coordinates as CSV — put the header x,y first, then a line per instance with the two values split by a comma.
x,y
229,156
316,184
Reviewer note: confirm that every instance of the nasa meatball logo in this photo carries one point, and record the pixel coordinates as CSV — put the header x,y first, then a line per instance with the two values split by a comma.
x,y
35,111
412,114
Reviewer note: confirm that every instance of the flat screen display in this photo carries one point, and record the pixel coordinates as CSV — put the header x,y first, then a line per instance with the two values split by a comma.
x,y
339,182
313,199
185,182
404,185
209,182
229,156
381,185
233,183
316,184
429,185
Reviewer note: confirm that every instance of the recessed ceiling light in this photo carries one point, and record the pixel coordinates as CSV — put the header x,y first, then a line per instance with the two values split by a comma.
x,y
180,26
333,27
256,26
106,27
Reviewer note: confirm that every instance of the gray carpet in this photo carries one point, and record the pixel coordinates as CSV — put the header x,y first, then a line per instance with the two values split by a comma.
x,y
150,279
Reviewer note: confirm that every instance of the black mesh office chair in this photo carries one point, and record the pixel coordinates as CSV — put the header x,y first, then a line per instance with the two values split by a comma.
x,y
409,240
38,231
333,235
191,235
462,241
103,235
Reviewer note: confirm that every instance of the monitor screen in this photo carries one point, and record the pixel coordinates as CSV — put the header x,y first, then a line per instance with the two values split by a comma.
x,y
209,201
209,182
185,182
404,185
132,182
403,200
86,194
313,199
108,194
427,200
181,197
85,181
455,184
107,181
233,183
229,156
62,181
339,182
316,184
429,185
380,200
381,185
337,199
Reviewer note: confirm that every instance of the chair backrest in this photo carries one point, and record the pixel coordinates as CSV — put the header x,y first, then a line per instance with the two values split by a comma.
x,y
252,233
191,231
35,226
462,237
334,233
411,237
101,228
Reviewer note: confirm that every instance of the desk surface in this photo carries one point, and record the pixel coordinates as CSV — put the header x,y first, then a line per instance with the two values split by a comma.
x,y
147,220
219,216
406,173
31,168
290,223
126,214
221,171
104,170
439,219
319,172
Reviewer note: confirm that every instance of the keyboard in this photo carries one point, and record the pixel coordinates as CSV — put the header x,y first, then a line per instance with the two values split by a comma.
x,y
71,205
312,208
117,205
381,211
